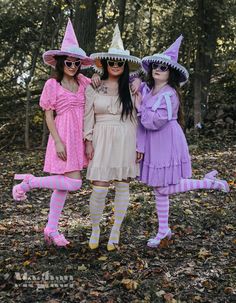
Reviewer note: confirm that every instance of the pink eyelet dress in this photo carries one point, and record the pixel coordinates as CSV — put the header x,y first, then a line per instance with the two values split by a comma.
x,y
69,108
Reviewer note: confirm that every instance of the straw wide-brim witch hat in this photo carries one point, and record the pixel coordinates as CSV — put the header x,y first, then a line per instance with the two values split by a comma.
x,y
117,52
169,57
70,47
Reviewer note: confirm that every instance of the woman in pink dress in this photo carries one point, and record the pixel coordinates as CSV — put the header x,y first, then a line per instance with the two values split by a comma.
x,y
65,95
166,163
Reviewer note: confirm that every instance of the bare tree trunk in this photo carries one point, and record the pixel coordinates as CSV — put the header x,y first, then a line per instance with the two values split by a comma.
x,y
85,23
211,28
209,21
150,25
136,23
197,97
103,7
54,35
28,80
122,4
198,68
27,106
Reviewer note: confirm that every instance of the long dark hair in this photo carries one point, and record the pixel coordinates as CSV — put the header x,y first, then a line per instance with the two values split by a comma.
x,y
174,82
123,89
59,68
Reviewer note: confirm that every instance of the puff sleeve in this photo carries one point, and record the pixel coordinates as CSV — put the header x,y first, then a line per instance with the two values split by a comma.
x,y
160,113
89,115
144,89
49,95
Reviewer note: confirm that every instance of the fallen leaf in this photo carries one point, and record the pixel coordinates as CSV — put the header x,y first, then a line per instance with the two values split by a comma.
x,y
229,290
169,298
130,284
188,212
82,267
95,293
2,228
26,263
160,293
102,258
203,253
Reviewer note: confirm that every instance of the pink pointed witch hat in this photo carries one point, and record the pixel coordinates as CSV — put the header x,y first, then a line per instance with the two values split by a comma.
x,y
70,47
170,58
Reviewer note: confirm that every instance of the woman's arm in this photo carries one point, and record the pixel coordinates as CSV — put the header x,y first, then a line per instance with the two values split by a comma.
x,y
96,80
89,150
153,120
89,121
60,147
135,85
160,113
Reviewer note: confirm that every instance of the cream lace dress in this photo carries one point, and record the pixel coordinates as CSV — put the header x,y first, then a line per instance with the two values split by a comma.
x,y
114,140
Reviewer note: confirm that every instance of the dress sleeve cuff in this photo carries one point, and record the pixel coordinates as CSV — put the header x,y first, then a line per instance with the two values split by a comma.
x,y
88,137
139,113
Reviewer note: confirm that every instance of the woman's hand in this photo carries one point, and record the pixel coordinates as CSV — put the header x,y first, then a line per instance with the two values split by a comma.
x,y
61,150
89,150
135,85
138,100
96,80
139,157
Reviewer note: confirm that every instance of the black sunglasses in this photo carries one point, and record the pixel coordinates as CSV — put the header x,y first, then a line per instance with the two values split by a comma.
x,y
70,64
113,63
162,67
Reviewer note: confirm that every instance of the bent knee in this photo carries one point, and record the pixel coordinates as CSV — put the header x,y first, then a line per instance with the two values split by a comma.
x,y
74,184
161,191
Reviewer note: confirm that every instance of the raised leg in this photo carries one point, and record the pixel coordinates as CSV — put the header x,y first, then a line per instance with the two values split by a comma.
x,y
209,182
59,182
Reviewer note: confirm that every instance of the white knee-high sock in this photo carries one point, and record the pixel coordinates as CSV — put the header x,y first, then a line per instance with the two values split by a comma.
x,y
96,206
121,203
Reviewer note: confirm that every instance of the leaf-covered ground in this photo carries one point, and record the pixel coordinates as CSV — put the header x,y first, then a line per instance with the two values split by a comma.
x,y
197,265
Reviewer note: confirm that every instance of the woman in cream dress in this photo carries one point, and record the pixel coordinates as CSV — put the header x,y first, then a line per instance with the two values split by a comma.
x,y
110,135
113,139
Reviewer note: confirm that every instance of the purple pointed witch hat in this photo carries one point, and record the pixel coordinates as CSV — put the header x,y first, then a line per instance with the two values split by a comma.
x,y
169,57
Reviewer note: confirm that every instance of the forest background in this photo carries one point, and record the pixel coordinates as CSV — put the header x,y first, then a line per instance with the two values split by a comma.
x,y
198,264
28,28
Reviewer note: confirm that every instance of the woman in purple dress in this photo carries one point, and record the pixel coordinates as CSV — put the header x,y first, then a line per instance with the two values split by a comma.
x,y
166,164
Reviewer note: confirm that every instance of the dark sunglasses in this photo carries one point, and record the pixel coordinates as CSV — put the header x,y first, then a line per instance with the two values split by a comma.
x,y
73,64
162,67
113,63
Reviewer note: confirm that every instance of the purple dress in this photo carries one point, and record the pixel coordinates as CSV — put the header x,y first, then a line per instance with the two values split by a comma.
x,y
161,139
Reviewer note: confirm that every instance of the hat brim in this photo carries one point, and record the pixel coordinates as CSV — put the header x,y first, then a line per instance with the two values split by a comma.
x,y
134,63
49,58
182,71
